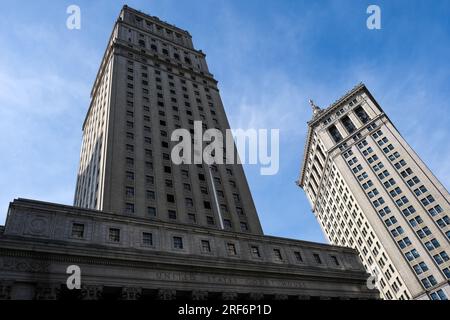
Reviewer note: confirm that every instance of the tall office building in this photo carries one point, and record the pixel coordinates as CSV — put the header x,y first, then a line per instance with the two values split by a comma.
x,y
152,81
145,228
370,191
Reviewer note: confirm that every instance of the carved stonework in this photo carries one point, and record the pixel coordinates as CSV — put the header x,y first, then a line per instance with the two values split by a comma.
x,y
229,295
91,292
130,293
256,296
167,294
199,295
24,265
5,291
281,297
47,292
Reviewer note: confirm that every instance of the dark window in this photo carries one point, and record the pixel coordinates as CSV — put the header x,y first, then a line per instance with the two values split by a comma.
x,y
178,242
317,258
78,230
147,238
206,247
172,214
335,133
348,124
114,235
362,115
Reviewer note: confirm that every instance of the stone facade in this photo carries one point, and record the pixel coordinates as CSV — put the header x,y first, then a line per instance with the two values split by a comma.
x,y
39,243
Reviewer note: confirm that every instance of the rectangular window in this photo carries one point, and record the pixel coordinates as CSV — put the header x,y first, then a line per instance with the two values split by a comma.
x,y
231,249
78,230
178,242
114,235
147,238
206,247
317,258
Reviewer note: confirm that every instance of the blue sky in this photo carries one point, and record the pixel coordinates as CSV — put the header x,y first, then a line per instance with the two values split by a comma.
x,y
269,57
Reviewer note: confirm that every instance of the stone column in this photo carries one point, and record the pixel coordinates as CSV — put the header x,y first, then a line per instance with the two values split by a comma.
x,y
131,293
91,292
229,295
167,294
5,290
47,292
199,295
256,296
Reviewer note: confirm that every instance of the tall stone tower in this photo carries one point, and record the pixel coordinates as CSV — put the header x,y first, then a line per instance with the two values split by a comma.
x,y
370,191
152,81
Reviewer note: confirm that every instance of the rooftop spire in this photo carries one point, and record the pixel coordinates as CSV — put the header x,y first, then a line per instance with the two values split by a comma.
x,y
316,109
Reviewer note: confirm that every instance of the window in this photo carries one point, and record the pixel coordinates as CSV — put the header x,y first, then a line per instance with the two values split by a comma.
x,y
445,221
411,255
298,256
424,232
413,181
426,201
397,231
189,202
404,242
335,134
178,242
255,252
367,184
384,211
335,260
441,257
400,164
446,271
114,235
406,172
78,230
210,220
206,247
395,192
151,211
389,183
389,148
170,198
172,214
377,134
378,202
317,258
150,195
227,224
206,204
438,295
434,211
129,208
348,124
432,244
244,226
416,221
362,115
410,210
382,141
373,193
400,202
231,249
147,239
389,222
129,191
277,254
